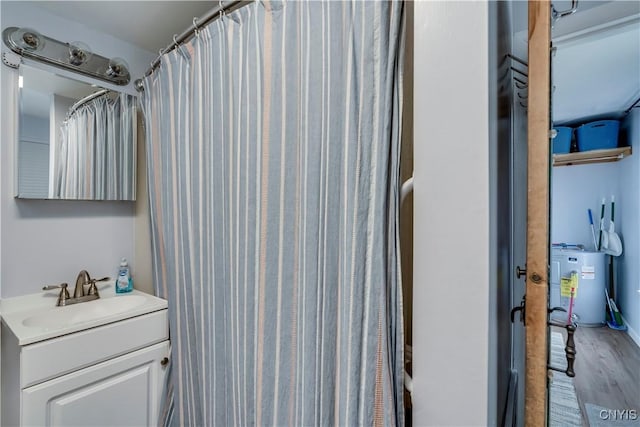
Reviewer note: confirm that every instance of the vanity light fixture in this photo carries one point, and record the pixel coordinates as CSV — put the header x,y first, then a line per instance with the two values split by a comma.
x,y
75,56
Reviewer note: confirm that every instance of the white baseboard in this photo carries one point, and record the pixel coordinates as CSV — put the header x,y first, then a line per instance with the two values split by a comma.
x,y
633,334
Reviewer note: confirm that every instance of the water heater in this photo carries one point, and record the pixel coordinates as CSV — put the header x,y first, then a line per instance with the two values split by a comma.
x,y
589,302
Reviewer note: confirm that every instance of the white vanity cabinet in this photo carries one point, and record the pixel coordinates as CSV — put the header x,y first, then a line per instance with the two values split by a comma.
x,y
111,374
124,391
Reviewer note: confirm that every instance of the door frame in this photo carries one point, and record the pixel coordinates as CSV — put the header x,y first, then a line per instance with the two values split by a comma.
x,y
537,212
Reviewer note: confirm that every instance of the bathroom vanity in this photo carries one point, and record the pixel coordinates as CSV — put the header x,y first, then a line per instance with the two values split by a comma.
x,y
102,362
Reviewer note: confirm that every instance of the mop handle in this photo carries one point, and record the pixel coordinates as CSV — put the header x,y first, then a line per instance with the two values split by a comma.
x,y
613,206
593,232
601,224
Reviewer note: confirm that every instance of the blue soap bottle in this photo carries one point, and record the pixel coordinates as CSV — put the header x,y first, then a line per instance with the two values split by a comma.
x,y
124,283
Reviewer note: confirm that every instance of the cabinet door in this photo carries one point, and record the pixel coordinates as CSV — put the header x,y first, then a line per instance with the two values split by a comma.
x,y
124,391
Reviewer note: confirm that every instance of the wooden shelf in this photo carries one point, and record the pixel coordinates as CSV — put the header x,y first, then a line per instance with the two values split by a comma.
x,y
593,156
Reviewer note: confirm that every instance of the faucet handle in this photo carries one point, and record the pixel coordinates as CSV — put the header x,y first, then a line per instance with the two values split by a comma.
x,y
93,289
52,287
64,293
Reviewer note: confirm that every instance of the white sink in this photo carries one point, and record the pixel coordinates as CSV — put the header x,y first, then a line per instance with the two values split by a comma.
x,y
83,312
35,317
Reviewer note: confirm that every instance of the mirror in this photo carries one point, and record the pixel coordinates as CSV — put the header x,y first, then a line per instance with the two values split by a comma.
x,y
75,141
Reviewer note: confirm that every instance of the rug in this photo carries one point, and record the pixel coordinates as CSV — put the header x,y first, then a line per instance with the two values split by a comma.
x,y
564,410
599,416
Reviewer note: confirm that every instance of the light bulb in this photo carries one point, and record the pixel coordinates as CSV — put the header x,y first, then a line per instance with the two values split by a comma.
x,y
117,67
28,39
79,53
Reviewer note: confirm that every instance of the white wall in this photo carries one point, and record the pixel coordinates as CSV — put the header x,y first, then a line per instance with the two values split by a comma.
x,y
574,189
451,188
34,128
50,241
628,290
611,58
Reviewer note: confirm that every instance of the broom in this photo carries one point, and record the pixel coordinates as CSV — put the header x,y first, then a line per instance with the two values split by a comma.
x,y
616,318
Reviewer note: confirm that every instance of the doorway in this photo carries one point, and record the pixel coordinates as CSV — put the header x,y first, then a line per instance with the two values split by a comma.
x,y
595,65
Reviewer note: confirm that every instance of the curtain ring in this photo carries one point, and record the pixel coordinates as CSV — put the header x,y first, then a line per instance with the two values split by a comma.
x,y
196,30
221,10
159,58
179,46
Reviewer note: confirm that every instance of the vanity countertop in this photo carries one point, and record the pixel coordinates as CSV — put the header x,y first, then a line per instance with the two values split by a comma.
x,y
36,317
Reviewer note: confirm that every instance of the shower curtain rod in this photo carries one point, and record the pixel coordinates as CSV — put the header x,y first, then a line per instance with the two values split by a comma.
x,y
88,98
213,14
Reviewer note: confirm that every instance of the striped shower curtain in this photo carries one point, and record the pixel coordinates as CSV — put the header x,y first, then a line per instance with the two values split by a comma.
x,y
94,155
273,145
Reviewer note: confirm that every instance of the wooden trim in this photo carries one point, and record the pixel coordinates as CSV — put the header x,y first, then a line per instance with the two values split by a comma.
x,y
537,213
593,156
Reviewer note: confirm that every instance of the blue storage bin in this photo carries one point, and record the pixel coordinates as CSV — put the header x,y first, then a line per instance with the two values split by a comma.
x,y
598,135
562,141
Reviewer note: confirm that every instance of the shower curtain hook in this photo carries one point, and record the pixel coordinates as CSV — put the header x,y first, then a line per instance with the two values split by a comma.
x,y
179,47
157,62
159,58
196,30
221,10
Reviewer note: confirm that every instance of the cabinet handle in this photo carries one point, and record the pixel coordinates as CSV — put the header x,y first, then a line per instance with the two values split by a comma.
x,y
164,361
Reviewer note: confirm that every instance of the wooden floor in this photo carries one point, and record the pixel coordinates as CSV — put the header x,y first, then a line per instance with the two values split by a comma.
x,y
607,369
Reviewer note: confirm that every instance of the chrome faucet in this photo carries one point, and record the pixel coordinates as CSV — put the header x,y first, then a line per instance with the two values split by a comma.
x,y
79,294
82,279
